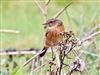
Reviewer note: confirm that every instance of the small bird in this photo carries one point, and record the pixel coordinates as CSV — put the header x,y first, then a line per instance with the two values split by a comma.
x,y
54,28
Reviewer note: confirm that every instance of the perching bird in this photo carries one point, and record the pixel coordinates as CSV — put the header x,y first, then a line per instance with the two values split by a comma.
x,y
54,28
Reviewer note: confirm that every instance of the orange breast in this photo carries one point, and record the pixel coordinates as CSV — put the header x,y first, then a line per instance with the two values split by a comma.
x,y
53,36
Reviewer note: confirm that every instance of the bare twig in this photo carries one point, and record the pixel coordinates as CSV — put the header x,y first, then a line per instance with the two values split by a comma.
x,y
9,31
47,62
93,29
17,52
40,66
41,9
90,36
14,51
46,9
59,13
32,67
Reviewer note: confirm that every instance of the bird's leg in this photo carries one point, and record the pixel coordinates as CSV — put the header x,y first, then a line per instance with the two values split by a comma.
x,y
53,57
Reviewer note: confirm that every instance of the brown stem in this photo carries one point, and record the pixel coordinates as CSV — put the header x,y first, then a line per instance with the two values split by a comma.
x,y
59,13
62,52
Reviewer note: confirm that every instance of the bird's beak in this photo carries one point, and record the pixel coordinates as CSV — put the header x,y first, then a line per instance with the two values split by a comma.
x,y
44,24
45,27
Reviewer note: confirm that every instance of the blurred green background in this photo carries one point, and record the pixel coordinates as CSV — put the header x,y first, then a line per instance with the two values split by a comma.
x,y
25,16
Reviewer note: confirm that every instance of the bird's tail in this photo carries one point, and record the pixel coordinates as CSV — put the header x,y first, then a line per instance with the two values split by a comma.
x,y
44,49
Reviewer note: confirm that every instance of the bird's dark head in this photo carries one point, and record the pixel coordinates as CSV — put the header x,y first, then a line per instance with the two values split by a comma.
x,y
52,22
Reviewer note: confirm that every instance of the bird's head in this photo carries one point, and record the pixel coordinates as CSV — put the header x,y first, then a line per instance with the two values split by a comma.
x,y
52,22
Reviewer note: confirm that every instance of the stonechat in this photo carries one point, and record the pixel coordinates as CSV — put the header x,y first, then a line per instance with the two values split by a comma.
x,y
53,29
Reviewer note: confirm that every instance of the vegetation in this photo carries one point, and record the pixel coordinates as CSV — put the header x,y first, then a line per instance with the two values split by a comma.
x,y
24,16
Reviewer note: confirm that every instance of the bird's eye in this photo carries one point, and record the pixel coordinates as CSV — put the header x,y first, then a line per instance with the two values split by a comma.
x,y
51,22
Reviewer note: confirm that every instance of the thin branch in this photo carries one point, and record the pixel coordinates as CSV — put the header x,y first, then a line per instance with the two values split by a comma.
x,y
46,10
47,62
40,66
93,29
90,36
47,2
9,31
17,53
41,9
32,67
14,51
59,13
